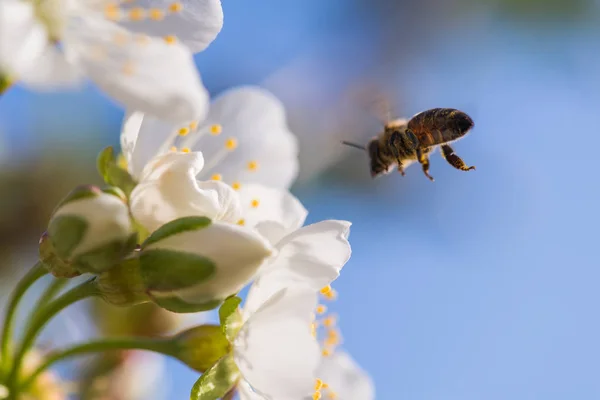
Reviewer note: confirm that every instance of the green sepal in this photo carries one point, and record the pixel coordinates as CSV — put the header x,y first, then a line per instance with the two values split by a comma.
x,y
112,173
201,347
66,232
177,305
5,82
123,284
106,256
177,226
53,263
217,381
170,270
230,317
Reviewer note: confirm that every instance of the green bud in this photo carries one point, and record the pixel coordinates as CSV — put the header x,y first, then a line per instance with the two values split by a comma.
x,y
123,284
201,347
217,381
191,264
89,231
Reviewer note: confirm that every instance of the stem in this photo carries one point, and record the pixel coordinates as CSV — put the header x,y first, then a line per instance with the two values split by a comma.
x,y
51,291
25,283
162,346
41,318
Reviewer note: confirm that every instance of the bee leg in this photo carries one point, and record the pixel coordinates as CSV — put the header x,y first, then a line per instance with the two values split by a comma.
x,y
401,169
424,160
453,159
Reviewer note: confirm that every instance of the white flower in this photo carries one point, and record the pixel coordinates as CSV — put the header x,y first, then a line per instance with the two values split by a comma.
x,y
135,52
275,350
344,378
244,139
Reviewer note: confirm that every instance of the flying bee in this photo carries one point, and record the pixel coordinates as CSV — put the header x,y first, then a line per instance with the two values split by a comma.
x,y
403,142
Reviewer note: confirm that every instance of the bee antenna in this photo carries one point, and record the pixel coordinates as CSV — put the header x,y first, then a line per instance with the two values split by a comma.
x,y
357,146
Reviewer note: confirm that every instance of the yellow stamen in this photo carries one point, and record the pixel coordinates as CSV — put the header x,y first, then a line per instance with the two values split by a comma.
x,y
176,7
186,150
329,321
231,144
252,166
325,386
142,39
128,68
332,341
216,129
236,185
112,12
170,39
254,203
321,309
318,384
332,395
242,222
316,395
137,14
216,177
313,329
183,131
325,352
193,125
332,295
156,14
173,149
326,290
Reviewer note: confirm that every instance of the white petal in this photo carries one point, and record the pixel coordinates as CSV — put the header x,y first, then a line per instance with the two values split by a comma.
x,y
262,204
275,350
51,71
142,73
245,392
169,190
144,137
196,25
257,120
236,251
23,38
345,377
313,256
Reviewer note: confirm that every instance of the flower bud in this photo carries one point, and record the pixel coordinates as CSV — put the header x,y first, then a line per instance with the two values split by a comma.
x,y
90,231
192,264
201,347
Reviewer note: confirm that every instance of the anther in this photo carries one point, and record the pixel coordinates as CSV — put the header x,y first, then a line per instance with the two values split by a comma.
x,y
318,384
321,309
216,177
325,290
193,125
183,131
254,203
231,144
170,39
186,150
112,12
215,129
313,329
156,14
242,222
175,7
236,185
316,395
331,295
173,149
332,395
252,166
325,386
329,321
325,352
137,14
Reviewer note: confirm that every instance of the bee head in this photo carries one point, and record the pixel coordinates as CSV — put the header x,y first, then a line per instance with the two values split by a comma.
x,y
463,122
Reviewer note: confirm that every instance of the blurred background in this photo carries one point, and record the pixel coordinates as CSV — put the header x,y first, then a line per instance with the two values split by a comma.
x,y
482,285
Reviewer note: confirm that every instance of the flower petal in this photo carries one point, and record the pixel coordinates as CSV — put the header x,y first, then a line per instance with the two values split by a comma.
x,y
23,38
346,378
52,70
237,253
196,24
262,204
312,256
275,350
143,73
267,152
168,190
245,392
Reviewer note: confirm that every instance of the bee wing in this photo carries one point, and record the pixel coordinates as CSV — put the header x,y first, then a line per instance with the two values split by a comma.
x,y
375,101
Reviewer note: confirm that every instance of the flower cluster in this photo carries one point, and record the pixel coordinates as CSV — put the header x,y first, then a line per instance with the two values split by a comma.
x,y
197,206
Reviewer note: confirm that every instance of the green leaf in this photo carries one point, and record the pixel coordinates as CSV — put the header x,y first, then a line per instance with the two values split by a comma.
x,y
217,381
170,270
66,232
112,173
177,305
177,226
230,317
201,347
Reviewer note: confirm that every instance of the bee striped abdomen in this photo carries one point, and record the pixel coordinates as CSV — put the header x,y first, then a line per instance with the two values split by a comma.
x,y
439,125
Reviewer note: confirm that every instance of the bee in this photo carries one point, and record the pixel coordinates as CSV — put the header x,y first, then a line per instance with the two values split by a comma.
x,y
403,142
